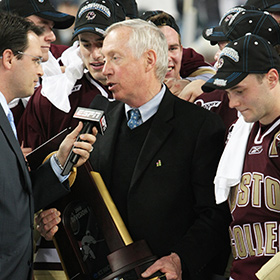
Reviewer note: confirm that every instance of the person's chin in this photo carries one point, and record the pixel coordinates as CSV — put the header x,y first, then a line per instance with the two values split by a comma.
x,y
45,58
170,75
29,93
45,55
248,117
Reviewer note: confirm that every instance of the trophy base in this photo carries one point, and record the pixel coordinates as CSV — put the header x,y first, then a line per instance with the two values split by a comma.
x,y
129,262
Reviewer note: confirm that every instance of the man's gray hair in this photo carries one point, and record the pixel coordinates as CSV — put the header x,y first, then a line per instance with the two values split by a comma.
x,y
146,36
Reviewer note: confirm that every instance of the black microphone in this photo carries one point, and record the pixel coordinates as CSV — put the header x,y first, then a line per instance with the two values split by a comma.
x,y
90,118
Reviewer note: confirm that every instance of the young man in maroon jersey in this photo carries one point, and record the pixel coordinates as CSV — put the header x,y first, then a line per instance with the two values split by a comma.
x,y
248,172
237,22
44,15
51,108
187,69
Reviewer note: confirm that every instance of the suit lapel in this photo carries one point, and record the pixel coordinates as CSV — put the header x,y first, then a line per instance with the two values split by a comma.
x,y
15,147
158,133
107,144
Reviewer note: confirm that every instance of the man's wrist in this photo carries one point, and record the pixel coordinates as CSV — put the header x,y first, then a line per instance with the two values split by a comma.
x,y
57,161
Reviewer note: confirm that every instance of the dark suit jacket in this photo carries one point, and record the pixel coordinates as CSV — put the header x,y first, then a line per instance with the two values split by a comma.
x,y
172,206
21,193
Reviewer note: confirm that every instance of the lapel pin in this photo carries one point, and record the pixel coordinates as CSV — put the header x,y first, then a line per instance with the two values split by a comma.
x,y
158,164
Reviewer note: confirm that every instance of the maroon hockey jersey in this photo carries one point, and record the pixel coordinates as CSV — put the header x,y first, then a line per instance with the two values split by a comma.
x,y
41,120
217,101
255,203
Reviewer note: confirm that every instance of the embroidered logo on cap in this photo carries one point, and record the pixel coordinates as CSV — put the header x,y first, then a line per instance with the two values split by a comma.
x,y
220,82
227,16
209,32
95,6
220,63
231,53
91,15
232,18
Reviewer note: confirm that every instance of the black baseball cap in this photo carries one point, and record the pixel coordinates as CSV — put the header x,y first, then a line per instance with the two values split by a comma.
x,y
255,22
217,34
267,5
40,8
160,18
97,15
250,54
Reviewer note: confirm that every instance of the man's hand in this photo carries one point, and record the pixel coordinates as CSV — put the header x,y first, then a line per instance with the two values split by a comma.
x,y
169,265
185,89
175,85
24,150
46,223
82,148
192,91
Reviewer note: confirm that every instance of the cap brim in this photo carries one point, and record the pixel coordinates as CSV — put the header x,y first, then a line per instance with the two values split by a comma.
x,y
214,34
148,14
90,29
224,80
61,20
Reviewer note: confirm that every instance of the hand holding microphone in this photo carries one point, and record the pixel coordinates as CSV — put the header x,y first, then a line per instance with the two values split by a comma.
x,y
82,148
90,118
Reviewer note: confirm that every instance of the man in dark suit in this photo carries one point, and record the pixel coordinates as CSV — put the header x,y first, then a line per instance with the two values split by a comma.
x,y
22,192
159,166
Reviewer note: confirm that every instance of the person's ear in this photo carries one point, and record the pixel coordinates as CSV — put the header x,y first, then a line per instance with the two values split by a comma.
x,y
7,58
151,58
272,77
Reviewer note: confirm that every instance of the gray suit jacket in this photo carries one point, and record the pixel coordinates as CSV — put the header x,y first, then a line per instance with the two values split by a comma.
x,y
21,193
172,206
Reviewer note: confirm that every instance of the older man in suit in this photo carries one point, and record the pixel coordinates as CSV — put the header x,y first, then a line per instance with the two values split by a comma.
x,y
158,157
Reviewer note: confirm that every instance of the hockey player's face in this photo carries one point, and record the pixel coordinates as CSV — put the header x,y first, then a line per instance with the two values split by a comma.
x,y
175,52
254,99
48,35
90,47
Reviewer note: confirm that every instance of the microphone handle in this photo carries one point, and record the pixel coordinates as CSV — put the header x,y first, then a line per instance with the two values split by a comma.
x,y
72,157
